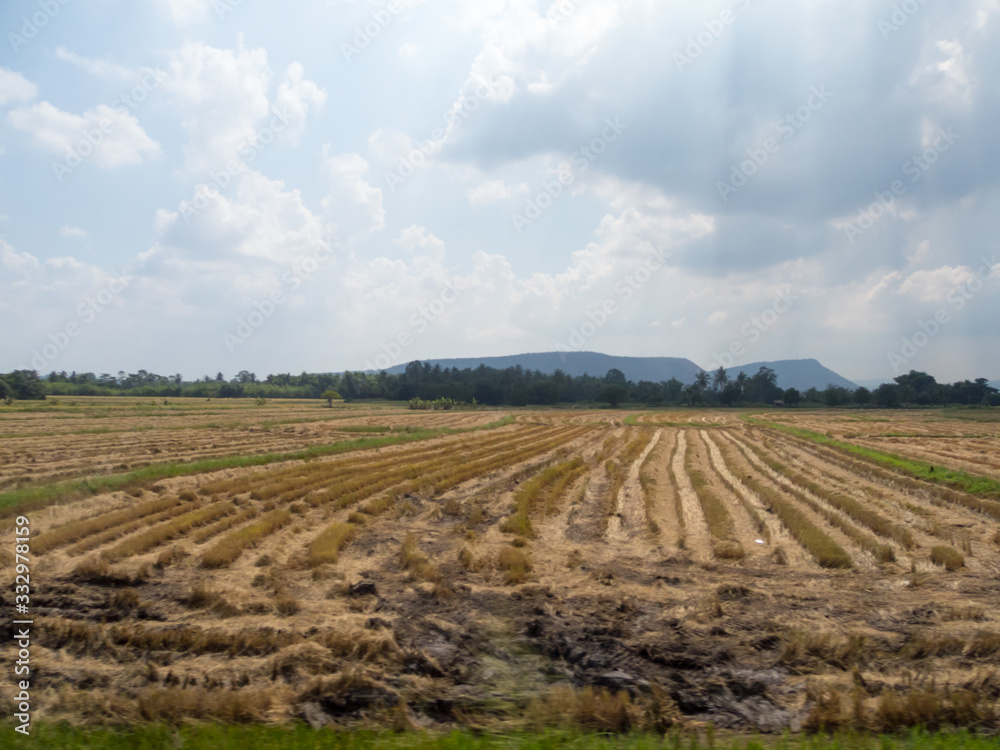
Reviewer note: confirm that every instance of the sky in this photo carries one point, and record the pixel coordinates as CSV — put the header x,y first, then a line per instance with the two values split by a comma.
x,y
196,186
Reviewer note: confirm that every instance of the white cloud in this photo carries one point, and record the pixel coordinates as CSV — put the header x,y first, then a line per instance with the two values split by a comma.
x,y
68,231
188,12
947,78
937,284
99,68
223,98
20,263
122,142
296,97
408,51
352,204
420,243
387,145
491,191
521,48
14,87
256,220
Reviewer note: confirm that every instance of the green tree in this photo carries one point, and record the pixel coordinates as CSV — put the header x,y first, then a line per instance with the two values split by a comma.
x,y
720,379
862,396
741,384
834,395
24,385
330,397
613,394
792,396
887,396
615,376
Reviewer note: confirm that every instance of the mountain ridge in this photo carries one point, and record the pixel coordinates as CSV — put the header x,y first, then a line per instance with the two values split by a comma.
x,y
801,374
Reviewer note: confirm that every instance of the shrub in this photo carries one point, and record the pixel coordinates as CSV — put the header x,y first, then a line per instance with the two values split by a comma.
x,y
949,557
515,564
416,562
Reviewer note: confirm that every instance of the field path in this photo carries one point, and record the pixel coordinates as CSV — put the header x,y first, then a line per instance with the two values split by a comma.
x,y
698,540
629,520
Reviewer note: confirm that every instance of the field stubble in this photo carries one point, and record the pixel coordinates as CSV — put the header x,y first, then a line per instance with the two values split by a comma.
x,y
558,571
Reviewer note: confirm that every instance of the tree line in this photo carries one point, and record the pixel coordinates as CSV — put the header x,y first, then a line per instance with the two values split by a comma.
x,y
513,386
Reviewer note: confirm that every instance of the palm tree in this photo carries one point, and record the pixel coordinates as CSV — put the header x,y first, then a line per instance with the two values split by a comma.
x,y
701,380
741,383
720,379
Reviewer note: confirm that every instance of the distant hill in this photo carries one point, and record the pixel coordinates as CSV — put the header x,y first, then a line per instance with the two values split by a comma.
x,y
802,374
656,369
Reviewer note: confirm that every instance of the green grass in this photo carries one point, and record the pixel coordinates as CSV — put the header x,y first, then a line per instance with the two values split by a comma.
x,y
960,480
301,737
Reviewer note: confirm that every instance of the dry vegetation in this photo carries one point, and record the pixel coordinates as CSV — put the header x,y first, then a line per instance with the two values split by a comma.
x,y
533,574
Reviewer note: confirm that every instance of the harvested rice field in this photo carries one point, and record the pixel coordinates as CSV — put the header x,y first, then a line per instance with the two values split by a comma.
x,y
528,569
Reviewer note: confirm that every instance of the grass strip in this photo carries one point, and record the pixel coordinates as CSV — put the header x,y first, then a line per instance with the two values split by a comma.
x,y
543,489
168,530
326,547
76,530
228,549
300,736
960,480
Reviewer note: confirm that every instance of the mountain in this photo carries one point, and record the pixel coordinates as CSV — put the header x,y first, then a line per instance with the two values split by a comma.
x,y
801,374
656,369
792,373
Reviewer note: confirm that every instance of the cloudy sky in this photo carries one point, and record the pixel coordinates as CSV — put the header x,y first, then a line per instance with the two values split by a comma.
x,y
197,186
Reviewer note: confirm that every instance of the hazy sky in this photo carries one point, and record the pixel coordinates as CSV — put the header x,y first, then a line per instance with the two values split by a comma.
x,y
203,185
